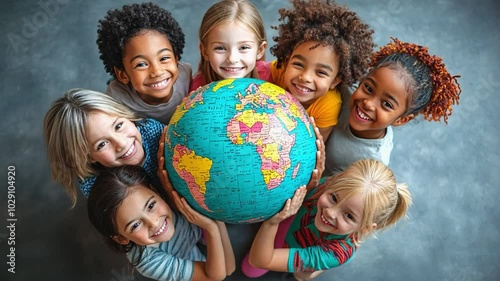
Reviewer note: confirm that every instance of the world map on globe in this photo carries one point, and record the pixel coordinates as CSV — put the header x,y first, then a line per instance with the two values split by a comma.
x,y
236,149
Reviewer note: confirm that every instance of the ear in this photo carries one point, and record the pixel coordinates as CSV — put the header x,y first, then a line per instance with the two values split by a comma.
x,y
368,229
335,82
261,53
403,120
203,51
121,75
120,239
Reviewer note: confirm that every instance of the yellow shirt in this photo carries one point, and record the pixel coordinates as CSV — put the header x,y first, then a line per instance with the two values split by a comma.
x,y
325,109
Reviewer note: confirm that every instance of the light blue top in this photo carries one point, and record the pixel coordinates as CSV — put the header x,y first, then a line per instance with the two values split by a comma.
x,y
343,148
172,260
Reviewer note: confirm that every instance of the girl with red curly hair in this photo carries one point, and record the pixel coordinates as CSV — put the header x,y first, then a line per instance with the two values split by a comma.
x,y
404,81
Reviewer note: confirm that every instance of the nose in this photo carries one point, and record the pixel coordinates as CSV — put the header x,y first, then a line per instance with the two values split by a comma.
x,y
305,76
156,70
331,212
150,222
369,104
233,57
119,142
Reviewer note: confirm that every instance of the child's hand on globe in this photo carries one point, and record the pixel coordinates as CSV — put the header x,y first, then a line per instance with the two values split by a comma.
x,y
193,216
291,206
320,158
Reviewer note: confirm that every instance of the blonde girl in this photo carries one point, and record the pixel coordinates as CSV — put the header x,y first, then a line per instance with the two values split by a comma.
x,y
333,220
86,132
232,43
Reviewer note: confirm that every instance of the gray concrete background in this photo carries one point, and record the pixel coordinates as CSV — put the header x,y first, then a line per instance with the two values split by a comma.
x,y
453,170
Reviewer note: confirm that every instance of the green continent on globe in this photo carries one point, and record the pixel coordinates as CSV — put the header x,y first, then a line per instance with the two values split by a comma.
x,y
236,149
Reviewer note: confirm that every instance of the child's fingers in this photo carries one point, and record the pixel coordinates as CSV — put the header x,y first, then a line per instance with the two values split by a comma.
x,y
313,182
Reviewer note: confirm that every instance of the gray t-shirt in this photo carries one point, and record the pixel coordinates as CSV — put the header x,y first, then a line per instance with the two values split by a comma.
x,y
343,148
161,112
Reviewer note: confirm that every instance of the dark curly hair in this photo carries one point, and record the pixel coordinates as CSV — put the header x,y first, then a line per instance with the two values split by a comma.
x,y
432,89
119,26
329,24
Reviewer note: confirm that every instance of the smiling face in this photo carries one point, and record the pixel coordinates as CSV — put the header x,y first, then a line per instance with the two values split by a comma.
x,y
310,73
232,50
150,65
379,101
338,216
144,218
114,141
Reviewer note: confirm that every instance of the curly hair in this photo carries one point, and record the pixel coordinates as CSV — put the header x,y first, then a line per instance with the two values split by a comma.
x,y
119,26
329,24
432,89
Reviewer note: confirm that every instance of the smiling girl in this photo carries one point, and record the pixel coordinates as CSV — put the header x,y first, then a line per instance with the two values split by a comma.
x,y
161,243
331,222
403,82
141,45
87,132
232,43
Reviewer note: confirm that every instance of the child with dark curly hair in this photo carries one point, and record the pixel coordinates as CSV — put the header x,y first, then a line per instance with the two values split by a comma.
x,y
320,46
141,46
404,81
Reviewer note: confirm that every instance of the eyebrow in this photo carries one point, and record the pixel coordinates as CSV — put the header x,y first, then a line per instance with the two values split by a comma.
x,y
143,208
388,95
143,57
321,65
112,126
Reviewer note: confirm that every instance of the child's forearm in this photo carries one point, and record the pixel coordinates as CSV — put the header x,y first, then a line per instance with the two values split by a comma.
x,y
228,248
261,252
215,266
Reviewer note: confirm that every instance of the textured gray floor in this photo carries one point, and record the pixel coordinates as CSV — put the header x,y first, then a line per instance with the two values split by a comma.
x,y
453,232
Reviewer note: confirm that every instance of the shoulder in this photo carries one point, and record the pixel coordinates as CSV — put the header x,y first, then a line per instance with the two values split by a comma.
x,y
198,81
185,67
150,127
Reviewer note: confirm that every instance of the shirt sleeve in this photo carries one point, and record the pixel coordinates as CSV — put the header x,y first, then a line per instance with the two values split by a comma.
x,y
86,185
158,265
330,254
197,82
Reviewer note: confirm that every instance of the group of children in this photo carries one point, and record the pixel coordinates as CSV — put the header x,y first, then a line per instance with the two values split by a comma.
x,y
107,144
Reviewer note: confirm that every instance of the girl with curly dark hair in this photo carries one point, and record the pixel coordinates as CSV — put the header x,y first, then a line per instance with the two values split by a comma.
x,y
141,47
404,81
320,46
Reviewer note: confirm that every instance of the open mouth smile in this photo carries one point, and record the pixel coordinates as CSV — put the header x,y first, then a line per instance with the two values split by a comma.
x,y
129,152
162,229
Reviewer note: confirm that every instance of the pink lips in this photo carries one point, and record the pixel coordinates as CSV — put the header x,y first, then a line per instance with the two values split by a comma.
x,y
361,115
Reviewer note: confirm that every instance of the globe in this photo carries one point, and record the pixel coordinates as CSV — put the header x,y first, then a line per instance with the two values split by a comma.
x,y
236,149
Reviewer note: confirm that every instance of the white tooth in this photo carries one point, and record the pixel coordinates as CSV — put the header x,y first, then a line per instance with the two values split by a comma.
x,y
129,151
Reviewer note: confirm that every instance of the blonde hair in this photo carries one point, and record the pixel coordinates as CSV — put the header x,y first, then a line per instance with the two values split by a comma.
x,y
65,133
385,200
225,11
